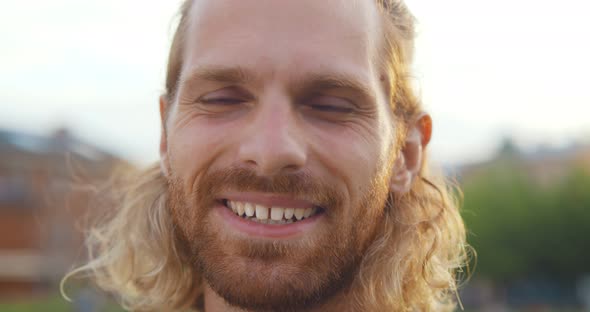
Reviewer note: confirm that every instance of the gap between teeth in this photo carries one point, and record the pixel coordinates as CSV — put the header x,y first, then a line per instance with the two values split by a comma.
x,y
273,215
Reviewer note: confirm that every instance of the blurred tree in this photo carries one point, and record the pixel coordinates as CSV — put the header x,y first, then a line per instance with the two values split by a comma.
x,y
521,229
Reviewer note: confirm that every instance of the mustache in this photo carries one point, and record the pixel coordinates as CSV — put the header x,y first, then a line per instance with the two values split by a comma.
x,y
299,185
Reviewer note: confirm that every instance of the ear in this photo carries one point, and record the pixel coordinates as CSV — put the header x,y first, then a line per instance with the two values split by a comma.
x,y
164,162
409,161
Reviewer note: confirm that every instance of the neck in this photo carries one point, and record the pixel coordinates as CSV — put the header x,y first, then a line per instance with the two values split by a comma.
x,y
214,303
341,301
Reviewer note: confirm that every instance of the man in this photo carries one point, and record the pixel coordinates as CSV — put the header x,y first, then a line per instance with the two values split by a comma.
x,y
292,173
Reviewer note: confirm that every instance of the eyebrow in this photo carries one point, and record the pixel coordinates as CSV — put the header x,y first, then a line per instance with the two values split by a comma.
x,y
221,74
325,81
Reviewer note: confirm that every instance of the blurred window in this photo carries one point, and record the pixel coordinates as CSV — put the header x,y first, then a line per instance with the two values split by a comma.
x,y
15,193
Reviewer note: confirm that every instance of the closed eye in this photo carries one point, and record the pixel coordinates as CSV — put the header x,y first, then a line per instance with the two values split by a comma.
x,y
331,108
329,104
222,101
227,96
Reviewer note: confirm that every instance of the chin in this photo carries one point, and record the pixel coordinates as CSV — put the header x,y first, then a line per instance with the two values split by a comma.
x,y
280,275
279,284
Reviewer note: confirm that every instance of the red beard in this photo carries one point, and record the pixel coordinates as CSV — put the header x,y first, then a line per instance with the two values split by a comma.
x,y
285,275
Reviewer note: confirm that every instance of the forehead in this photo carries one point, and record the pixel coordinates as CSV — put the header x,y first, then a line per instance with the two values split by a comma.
x,y
283,37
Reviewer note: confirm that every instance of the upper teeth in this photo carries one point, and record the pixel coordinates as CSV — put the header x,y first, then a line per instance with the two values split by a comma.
x,y
266,214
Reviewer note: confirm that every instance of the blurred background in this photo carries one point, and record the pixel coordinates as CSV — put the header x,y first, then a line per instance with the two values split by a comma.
x,y
505,81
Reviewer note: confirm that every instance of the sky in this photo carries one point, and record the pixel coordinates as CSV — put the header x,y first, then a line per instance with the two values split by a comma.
x,y
485,70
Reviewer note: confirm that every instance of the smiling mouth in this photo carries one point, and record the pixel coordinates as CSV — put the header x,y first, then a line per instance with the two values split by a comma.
x,y
271,215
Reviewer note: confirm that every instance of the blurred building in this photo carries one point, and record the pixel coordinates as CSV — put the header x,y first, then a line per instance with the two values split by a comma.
x,y
42,200
544,165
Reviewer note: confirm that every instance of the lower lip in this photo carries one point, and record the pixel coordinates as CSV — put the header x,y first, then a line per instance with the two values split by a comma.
x,y
255,229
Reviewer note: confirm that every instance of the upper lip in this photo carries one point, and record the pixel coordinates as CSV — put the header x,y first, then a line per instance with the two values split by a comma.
x,y
269,200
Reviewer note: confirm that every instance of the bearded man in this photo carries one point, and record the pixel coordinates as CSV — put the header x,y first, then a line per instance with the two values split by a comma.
x,y
292,174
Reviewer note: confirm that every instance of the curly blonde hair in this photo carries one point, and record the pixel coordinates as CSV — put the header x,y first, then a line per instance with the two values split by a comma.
x,y
414,264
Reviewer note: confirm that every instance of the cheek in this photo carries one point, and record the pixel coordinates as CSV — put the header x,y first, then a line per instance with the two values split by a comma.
x,y
192,147
359,161
350,156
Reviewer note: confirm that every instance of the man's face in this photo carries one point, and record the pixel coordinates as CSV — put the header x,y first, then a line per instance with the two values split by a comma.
x,y
280,112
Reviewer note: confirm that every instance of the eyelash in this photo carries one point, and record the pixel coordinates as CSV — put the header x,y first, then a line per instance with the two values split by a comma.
x,y
330,108
227,101
222,101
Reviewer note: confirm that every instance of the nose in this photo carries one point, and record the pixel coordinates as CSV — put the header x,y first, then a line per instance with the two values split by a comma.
x,y
273,142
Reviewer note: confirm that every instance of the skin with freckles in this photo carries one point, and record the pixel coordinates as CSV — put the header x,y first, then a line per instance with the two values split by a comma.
x,y
264,101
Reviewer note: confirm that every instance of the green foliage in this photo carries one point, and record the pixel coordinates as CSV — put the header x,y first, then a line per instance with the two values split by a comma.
x,y
49,304
521,228
56,303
